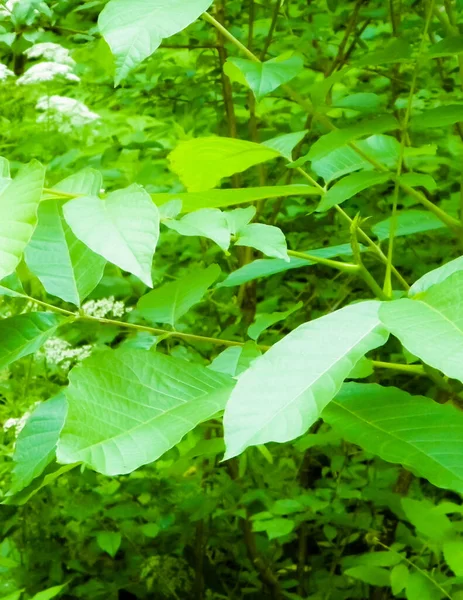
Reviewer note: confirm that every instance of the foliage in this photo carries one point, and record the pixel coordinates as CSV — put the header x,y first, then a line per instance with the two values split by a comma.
x,y
231,316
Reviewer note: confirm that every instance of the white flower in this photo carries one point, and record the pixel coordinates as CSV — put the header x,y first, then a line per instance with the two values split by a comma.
x,y
46,71
104,307
19,423
57,351
66,112
5,72
50,52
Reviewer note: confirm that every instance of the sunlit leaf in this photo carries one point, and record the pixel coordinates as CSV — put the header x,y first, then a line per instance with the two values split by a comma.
x,y
268,239
349,186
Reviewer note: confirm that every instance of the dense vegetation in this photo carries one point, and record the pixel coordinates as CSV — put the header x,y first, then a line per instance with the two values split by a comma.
x,y
231,335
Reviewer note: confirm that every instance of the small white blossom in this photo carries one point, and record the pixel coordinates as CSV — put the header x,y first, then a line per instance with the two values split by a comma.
x,y
66,112
104,307
18,424
57,351
50,52
46,71
5,72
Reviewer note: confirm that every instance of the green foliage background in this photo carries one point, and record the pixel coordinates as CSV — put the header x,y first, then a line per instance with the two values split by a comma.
x,y
359,107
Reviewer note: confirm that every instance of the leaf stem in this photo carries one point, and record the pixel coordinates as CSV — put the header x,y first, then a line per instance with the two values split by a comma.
x,y
410,369
336,264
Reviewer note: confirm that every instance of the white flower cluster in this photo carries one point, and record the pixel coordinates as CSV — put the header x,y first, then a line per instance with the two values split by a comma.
x,y
18,424
46,71
104,307
50,52
65,112
57,351
5,72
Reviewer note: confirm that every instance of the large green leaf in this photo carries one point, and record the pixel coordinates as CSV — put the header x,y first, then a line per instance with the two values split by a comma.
x,y
436,276
24,334
349,186
19,203
134,29
413,431
36,444
202,162
229,197
408,222
123,228
284,392
66,267
266,267
168,303
265,77
430,326
442,116
128,407
335,139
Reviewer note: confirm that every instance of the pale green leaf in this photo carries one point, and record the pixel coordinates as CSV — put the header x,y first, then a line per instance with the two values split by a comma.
x,y
427,520
123,228
4,168
436,276
235,360
400,428
240,217
36,444
25,334
201,163
211,223
420,587
268,239
340,137
51,473
362,102
134,29
13,596
453,554
265,77
431,325
230,197
399,578
19,203
265,320
109,542
408,222
442,116
266,267
349,186
284,392
446,47
285,144
49,593
128,407
168,303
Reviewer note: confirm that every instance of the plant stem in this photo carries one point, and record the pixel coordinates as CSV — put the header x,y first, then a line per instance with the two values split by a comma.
x,y
409,369
335,264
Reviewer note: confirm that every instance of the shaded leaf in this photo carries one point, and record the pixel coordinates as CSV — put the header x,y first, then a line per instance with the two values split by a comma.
x,y
442,116
264,321
109,541
349,186
236,359
408,222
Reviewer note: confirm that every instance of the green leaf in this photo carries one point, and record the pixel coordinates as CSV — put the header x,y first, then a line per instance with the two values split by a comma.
x,y
268,239
433,315
408,222
240,217
413,431
25,334
13,596
342,161
427,520
19,203
49,593
442,116
109,542
420,587
349,186
446,47
127,229
267,267
285,144
264,321
168,303
284,392
340,137
223,198
453,554
134,29
211,223
139,405
150,530
369,574
436,276
419,180
48,477
398,50
202,162
362,102
36,444
265,77
235,360
274,528
399,578
66,267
